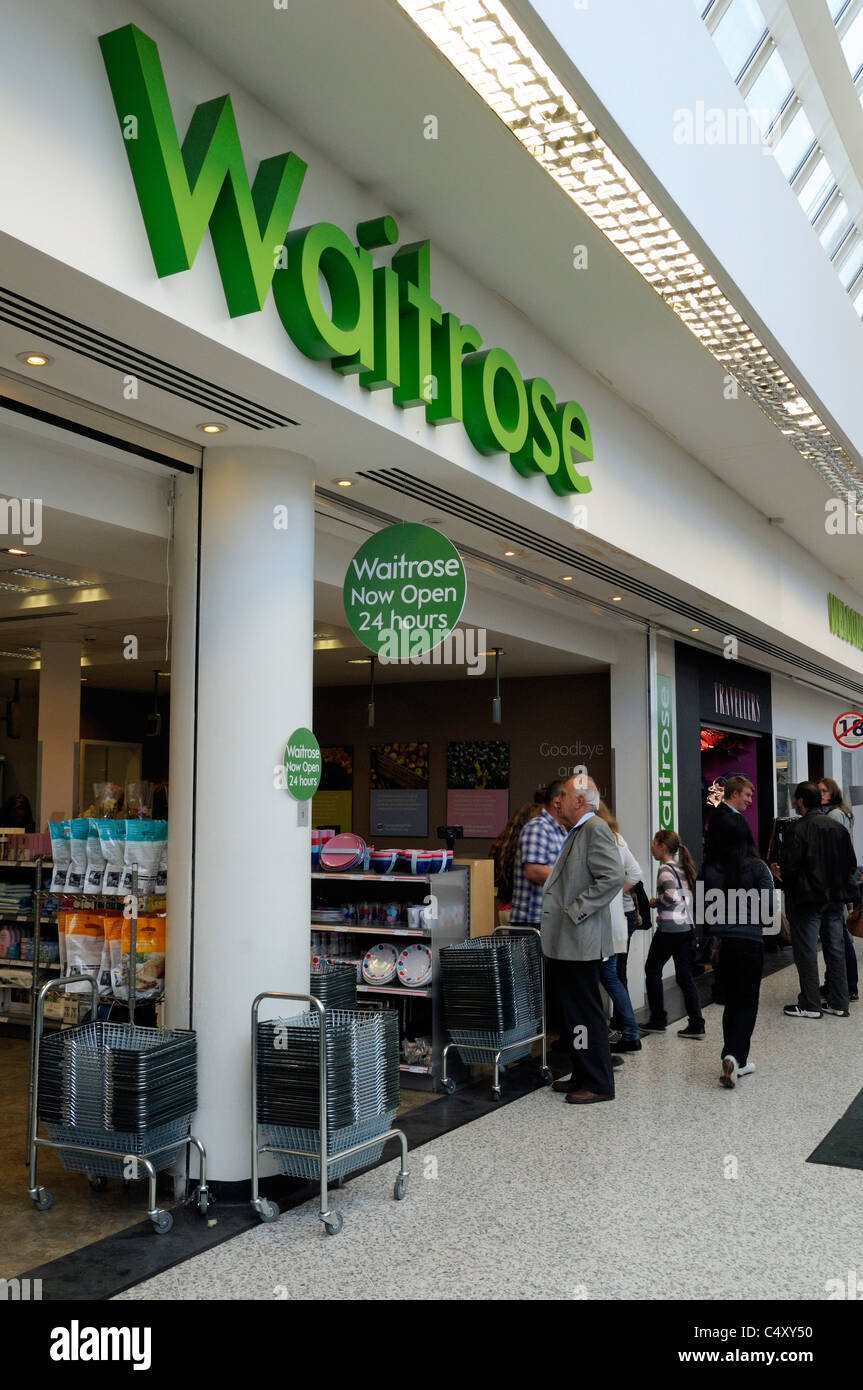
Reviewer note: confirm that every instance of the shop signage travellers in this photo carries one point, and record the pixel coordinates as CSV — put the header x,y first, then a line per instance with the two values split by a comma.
x,y
381,322
302,764
404,591
665,752
736,703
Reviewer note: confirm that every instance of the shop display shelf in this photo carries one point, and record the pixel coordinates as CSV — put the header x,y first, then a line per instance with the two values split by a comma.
x,y
394,989
381,929
372,877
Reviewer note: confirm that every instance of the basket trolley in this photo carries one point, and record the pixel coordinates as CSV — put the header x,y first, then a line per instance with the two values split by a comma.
x,y
267,1209
496,1051
95,1159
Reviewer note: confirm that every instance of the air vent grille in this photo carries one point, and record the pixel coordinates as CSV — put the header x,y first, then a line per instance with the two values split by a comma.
x,y
66,332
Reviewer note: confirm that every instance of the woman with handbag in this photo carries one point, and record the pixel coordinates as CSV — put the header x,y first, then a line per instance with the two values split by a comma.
x,y
674,936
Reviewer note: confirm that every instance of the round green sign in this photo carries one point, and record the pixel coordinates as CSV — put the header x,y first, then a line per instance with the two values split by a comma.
x,y
404,591
302,764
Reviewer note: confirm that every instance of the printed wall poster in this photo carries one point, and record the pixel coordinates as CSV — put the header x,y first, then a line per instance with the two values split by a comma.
x,y
478,787
399,778
333,803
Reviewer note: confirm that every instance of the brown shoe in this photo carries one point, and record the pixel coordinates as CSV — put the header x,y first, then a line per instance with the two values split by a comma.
x,y
564,1084
584,1098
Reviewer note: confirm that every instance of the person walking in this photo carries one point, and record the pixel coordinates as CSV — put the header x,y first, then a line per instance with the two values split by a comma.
x,y
614,986
833,805
746,905
577,935
818,872
674,935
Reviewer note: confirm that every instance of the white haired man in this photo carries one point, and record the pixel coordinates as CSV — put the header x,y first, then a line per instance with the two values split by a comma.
x,y
577,935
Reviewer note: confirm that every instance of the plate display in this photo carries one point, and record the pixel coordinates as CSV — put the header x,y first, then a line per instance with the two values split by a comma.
x,y
379,964
414,966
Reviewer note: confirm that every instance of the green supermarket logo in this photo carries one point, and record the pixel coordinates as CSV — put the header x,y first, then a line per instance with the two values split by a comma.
x,y
381,322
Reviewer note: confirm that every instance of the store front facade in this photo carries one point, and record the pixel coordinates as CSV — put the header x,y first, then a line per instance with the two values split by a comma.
x,y
555,493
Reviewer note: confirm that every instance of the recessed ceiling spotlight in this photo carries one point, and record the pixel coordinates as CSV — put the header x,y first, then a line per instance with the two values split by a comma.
x,y
617,598
34,359
12,550
343,482
567,578
358,660
695,629
509,552
210,427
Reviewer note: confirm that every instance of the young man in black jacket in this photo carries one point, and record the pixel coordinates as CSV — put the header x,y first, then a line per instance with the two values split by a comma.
x,y
818,873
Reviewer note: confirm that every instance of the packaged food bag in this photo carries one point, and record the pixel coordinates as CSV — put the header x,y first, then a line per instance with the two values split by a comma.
x,y
112,839
112,922
79,830
95,859
145,841
85,938
61,850
162,872
149,957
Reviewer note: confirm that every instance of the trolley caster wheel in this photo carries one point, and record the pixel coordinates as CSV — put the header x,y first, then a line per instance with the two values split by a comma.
x,y
203,1200
268,1211
399,1189
333,1226
495,1093
547,1076
98,1184
449,1086
44,1199
337,1182
162,1222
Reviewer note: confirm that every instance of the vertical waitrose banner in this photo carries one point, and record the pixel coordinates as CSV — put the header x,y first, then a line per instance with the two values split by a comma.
x,y
665,752
404,591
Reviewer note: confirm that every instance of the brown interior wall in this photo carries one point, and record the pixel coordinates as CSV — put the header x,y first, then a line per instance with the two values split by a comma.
x,y
537,713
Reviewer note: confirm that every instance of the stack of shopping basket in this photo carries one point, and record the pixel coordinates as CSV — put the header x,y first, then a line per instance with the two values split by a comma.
x,y
492,995
363,1090
334,983
120,1087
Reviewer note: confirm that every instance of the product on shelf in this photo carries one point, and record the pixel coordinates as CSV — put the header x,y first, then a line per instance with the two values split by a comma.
x,y
414,966
112,838
95,858
145,843
139,800
149,956
61,850
85,938
62,919
77,875
107,800
379,964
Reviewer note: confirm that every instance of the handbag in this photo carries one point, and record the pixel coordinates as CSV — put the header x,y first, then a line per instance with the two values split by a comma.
x,y
642,907
854,921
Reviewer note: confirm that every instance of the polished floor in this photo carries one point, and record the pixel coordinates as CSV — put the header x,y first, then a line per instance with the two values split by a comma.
x,y
679,1189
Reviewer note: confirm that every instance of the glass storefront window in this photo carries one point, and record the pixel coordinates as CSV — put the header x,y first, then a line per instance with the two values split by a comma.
x,y
784,776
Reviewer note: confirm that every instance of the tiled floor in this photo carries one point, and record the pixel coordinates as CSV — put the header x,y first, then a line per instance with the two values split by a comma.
x,y
679,1189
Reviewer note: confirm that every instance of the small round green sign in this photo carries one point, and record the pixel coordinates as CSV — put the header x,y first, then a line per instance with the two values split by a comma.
x,y
302,764
404,591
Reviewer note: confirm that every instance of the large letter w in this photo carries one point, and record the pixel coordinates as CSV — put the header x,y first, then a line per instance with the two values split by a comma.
x,y
182,190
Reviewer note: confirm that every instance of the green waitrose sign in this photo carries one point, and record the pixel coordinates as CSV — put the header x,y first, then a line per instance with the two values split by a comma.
x,y
302,764
404,590
381,323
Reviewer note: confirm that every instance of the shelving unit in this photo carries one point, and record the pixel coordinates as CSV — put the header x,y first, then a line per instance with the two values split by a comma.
x,y
420,1009
27,976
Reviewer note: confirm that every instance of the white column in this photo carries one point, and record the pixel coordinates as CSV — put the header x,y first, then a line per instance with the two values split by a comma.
x,y
59,729
251,868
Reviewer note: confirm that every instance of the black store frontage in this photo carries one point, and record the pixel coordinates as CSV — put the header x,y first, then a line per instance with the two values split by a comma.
x,y
724,729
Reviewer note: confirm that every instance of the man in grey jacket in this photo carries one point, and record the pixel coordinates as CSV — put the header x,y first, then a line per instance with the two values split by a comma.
x,y
576,934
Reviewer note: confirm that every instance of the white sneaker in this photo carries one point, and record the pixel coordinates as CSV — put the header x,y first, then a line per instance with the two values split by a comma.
x,y
730,1073
745,1071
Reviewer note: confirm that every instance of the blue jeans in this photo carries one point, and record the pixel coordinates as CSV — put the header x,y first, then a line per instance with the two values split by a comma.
x,y
619,996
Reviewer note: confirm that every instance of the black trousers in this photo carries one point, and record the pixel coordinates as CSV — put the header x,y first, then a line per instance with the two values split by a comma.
x,y
680,945
584,1025
738,976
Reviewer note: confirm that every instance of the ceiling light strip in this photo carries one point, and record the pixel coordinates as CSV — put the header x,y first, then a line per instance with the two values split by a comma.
x,y
483,42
